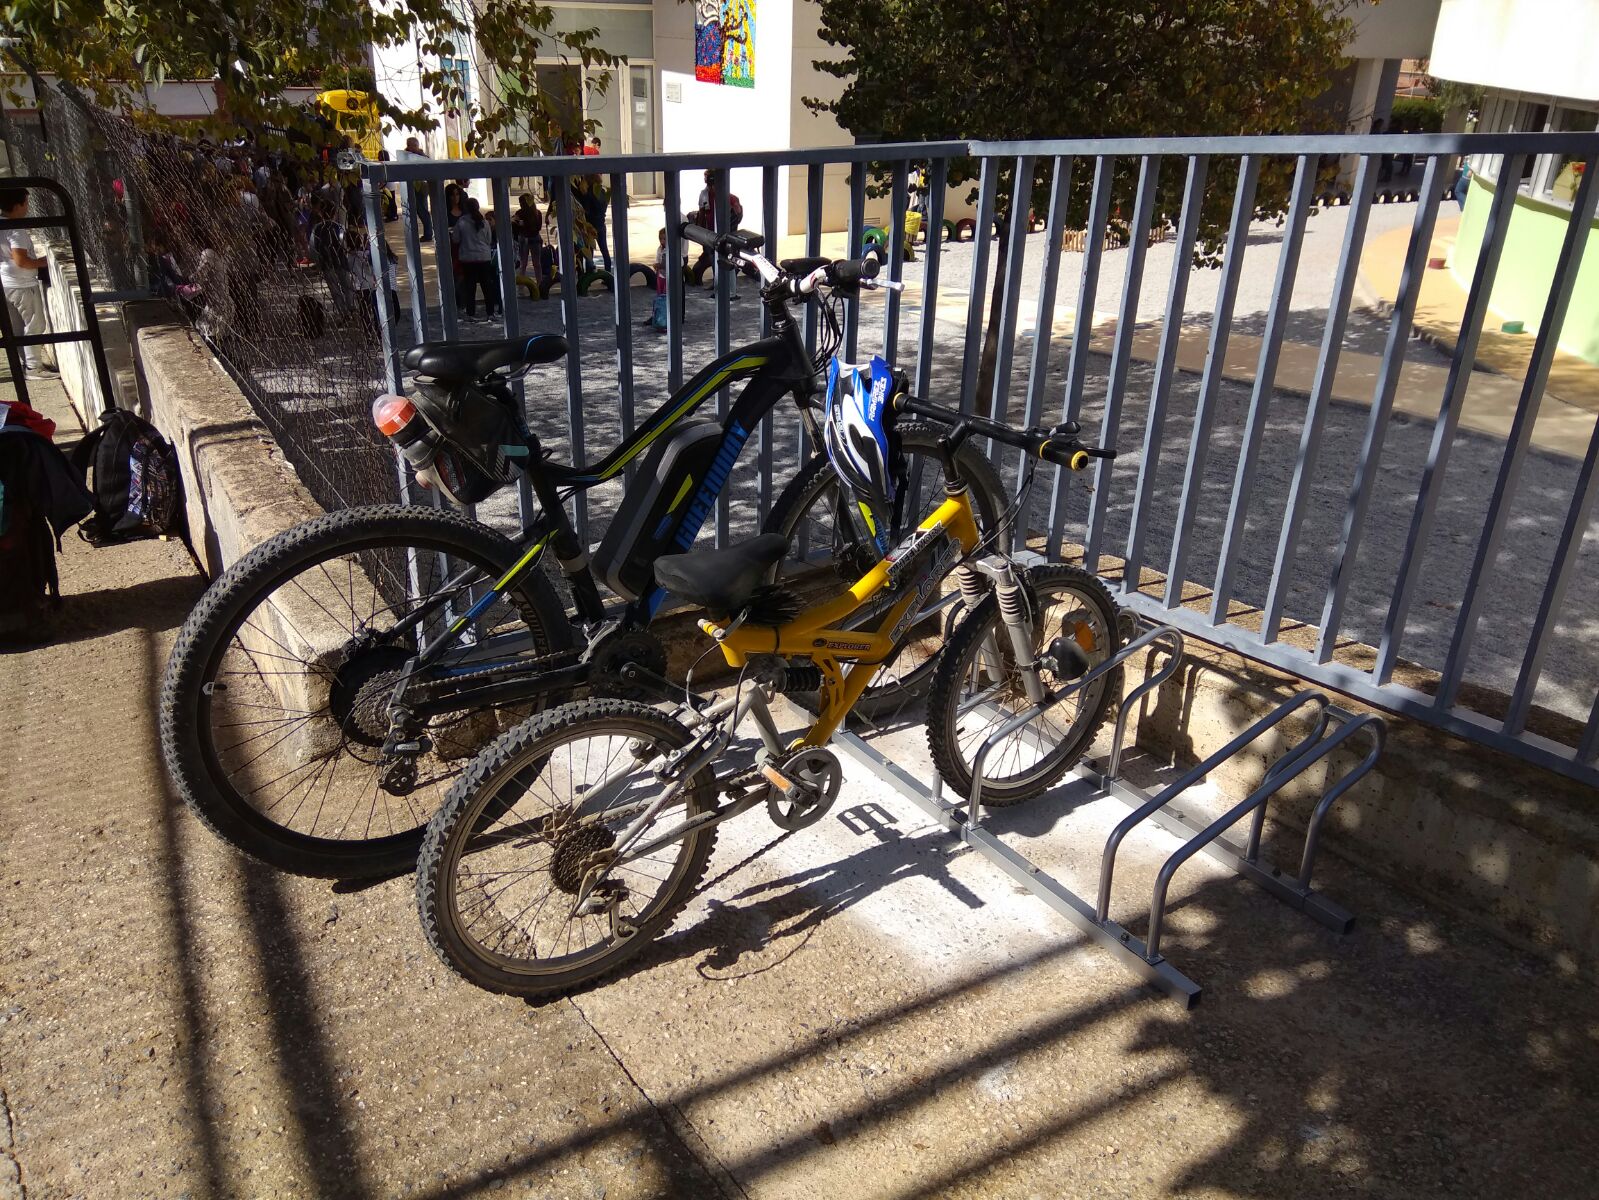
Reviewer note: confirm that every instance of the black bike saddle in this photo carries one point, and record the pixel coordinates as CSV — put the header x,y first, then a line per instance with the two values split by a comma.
x,y
460,361
721,581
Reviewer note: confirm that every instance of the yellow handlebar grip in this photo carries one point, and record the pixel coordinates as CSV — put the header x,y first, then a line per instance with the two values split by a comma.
x,y
1080,460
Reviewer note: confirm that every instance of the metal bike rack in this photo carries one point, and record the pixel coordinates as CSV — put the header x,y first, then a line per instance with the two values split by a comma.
x,y
1144,958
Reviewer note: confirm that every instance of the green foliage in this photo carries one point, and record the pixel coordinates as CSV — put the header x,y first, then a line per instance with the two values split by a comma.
x,y
254,50
1416,114
994,70
991,69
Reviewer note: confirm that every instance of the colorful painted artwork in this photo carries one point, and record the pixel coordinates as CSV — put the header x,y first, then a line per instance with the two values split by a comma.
x,y
724,42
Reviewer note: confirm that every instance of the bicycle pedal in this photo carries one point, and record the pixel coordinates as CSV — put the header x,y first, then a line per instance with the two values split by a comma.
x,y
776,778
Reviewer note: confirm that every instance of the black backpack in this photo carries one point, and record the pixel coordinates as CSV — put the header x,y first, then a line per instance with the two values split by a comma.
x,y
134,479
39,499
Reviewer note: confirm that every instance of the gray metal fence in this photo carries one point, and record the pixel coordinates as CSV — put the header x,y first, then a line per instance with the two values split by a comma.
x,y
1348,538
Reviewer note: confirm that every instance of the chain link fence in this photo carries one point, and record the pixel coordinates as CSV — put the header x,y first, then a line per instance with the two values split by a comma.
x,y
264,252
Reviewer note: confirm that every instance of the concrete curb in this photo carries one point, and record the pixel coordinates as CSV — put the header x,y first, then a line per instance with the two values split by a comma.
x,y
235,500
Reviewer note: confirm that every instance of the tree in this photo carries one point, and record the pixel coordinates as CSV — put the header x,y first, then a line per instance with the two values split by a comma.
x,y
255,50
992,69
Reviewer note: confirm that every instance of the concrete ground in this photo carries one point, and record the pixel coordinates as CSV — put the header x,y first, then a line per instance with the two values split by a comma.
x,y
853,1010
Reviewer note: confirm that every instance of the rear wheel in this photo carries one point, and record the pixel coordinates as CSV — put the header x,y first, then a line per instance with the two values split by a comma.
x,y
517,885
275,704
826,540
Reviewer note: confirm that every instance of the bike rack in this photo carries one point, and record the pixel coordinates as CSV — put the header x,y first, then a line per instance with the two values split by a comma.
x,y
1144,958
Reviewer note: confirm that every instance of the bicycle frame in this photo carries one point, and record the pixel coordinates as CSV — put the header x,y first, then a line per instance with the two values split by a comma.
x,y
814,634
847,659
771,368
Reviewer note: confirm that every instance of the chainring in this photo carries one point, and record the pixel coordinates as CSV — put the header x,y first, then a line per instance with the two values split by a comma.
x,y
622,648
816,777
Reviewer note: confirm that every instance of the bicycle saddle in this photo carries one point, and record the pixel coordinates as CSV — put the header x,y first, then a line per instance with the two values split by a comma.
x,y
459,361
721,581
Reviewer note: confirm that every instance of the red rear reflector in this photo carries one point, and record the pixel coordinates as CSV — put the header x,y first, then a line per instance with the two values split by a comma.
x,y
392,414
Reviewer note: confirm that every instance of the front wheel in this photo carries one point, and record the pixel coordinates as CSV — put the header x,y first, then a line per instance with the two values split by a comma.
x,y
523,885
978,686
814,515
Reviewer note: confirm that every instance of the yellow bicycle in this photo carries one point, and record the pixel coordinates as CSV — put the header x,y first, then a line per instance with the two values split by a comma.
x,y
576,838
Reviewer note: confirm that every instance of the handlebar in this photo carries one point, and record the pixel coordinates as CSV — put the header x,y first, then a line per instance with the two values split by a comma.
x,y
1058,445
804,274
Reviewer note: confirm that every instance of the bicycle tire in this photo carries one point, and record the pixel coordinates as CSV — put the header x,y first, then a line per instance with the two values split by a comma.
x,y
944,738
989,501
193,763
474,793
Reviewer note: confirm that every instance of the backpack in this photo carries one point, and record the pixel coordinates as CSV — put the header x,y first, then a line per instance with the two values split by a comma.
x,y
137,492
39,498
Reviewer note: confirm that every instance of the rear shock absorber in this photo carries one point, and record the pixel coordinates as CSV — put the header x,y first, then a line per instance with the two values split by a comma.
x,y
802,677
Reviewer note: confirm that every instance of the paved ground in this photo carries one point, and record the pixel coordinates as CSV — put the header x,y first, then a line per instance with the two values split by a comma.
x,y
852,1010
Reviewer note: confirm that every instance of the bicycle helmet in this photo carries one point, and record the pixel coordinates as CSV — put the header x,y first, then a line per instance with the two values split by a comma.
x,y
857,437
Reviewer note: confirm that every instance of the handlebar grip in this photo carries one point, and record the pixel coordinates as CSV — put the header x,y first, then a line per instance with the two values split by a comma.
x,y
1067,454
848,272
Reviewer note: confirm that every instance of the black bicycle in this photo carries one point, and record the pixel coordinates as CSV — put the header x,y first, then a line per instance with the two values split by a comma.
x,y
328,686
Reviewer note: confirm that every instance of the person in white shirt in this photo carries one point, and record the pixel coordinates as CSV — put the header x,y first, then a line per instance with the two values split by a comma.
x,y
19,273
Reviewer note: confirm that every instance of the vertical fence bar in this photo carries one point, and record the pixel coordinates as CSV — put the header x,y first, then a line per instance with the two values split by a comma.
x,y
988,186
1588,748
1015,246
770,232
814,180
415,284
1165,367
567,252
444,263
1060,191
512,317
937,184
1554,592
622,283
1271,343
387,334
897,204
1320,393
1443,430
857,229
673,206
725,280
1532,391
1204,414
1082,332
1382,404
1121,352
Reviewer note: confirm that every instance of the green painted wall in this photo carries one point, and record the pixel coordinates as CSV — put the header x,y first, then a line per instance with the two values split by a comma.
x,y
1527,267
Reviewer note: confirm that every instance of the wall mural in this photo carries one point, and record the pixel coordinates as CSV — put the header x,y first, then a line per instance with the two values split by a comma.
x,y
724,42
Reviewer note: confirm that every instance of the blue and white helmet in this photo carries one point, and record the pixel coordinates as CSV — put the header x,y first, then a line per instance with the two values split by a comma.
x,y
856,431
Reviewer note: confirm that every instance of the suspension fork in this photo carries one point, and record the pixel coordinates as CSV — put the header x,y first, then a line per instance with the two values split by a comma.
x,y
1015,618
